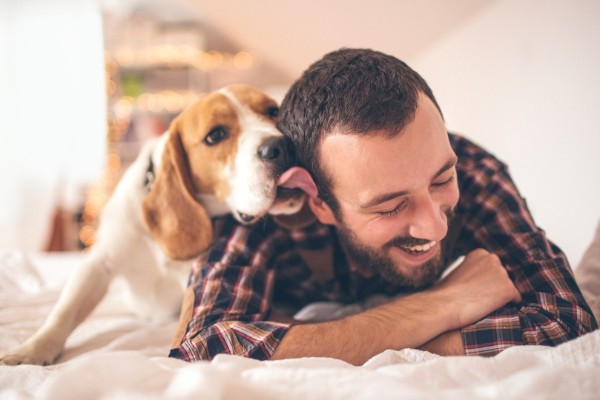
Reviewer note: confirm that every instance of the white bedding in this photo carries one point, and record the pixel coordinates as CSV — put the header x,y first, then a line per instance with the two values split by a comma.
x,y
115,355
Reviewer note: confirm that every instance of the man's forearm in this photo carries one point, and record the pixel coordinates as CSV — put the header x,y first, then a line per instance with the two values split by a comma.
x,y
408,322
477,287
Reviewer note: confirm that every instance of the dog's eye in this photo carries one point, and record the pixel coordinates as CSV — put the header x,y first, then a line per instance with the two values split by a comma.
x,y
216,135
273,112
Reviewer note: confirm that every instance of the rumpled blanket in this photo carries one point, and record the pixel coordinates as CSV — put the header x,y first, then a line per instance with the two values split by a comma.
x,y
115,355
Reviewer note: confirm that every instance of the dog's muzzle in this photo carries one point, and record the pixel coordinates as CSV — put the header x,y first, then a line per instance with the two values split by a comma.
x,y
277,155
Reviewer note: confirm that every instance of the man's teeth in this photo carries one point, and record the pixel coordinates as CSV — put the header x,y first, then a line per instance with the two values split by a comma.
x,y
420,248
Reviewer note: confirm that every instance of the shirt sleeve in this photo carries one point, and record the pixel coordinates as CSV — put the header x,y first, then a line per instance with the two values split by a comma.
x,y
229,300
553,309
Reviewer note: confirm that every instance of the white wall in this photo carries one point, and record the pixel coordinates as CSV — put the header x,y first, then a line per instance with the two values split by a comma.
x,y
522,78
52,111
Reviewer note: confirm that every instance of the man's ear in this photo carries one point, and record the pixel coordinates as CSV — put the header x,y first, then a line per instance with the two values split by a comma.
x,y
322,211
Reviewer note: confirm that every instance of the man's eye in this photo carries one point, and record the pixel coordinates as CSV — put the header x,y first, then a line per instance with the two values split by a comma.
x,y
444,183
216,135
393,211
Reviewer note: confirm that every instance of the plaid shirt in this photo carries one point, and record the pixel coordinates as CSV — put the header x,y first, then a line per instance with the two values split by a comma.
x,y
233,286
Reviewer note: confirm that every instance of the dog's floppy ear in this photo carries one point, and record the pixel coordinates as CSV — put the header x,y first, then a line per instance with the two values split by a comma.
x,y
176,221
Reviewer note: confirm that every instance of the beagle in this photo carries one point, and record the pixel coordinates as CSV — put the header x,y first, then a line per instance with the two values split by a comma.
x,y
221,155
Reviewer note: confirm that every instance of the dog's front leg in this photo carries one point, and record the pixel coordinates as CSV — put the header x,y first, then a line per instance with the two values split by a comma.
x,y
82,292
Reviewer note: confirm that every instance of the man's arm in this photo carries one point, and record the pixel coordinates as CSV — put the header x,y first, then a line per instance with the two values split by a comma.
x,y
476,288
406,322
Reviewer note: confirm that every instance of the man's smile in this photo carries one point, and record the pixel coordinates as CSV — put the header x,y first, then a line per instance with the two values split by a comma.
x,y
419,248
417,254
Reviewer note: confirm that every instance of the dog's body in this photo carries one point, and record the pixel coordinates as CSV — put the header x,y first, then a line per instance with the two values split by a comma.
x,y
223,154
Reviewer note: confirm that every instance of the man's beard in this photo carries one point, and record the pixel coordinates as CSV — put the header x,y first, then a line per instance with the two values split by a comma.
x,y
378,261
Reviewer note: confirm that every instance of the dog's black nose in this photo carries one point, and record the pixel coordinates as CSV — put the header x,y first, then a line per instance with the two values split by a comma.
x,y
274,150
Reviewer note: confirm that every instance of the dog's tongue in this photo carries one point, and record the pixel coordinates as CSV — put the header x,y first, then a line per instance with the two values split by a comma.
x,y
298,178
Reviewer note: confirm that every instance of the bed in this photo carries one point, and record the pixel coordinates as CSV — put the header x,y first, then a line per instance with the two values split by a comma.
x,y
115,355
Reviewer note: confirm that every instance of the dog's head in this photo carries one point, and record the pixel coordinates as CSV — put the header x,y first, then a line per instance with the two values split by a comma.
x,y
226,147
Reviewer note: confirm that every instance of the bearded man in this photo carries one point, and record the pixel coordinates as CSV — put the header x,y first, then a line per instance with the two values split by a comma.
x,y
397,200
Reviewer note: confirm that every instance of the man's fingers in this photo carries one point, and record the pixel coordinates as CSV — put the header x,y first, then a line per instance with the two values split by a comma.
x,y
476,255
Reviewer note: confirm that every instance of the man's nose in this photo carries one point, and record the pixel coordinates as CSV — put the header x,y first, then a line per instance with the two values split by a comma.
x,y
428,221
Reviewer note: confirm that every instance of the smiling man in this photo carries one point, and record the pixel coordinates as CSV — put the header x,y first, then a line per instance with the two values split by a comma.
x,y
397,199
396,193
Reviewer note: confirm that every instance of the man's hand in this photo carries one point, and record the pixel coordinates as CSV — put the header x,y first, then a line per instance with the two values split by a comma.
x,y
477,287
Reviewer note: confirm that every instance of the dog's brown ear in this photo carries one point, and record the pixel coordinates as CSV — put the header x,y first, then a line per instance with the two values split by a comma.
x,y
303,218
176,221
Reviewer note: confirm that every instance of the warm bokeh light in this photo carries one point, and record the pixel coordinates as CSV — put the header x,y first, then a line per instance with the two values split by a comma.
x,y
123,107
243,60
87,235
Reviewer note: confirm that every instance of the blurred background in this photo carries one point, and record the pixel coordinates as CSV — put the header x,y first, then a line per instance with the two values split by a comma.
x,y
84,82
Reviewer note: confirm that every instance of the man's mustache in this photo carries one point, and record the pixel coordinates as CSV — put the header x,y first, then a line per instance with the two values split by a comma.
x,y
409,241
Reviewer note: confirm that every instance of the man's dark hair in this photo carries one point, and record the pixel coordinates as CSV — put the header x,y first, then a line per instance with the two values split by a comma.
x,y
351,90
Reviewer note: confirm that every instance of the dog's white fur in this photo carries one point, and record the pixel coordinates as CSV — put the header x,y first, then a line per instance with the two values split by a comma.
x,y
125,247
252,184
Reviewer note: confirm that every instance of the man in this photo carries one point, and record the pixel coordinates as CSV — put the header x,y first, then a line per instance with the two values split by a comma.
x,y
397,199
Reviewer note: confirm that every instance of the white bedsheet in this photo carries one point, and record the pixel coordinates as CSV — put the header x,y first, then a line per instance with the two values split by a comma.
x,y
114,355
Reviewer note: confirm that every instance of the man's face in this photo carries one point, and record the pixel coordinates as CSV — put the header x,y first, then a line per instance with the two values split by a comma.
x,y
396,195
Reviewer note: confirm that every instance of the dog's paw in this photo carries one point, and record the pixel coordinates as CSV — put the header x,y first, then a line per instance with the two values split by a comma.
x,y
32,354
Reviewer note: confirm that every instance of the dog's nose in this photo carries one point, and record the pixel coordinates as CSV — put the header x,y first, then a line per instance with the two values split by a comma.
x,y
274,150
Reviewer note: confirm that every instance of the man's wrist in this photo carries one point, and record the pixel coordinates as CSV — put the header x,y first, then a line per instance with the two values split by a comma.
x,y
447,313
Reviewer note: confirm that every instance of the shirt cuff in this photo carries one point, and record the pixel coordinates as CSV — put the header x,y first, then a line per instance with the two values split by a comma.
x,y
493,334
257,340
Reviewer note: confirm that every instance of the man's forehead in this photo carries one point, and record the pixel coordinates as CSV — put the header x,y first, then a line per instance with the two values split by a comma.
x,y
377,160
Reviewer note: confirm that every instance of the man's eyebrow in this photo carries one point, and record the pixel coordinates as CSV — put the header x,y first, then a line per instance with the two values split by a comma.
x,y
451,163
382,198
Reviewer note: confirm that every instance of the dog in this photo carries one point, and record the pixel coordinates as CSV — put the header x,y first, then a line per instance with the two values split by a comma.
x,y
221,155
